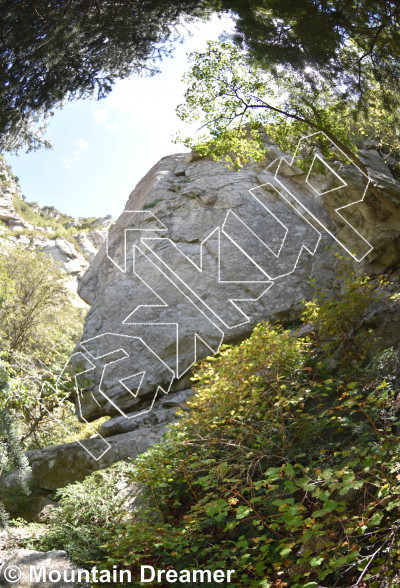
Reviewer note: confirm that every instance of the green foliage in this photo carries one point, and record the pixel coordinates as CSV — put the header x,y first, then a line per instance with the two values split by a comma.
x,y
12,457
350,43
53,52
47,432
48,216
87,516
33,299
39,327
227,90
281,470
152,204
60,233
27,211
338,319
278,471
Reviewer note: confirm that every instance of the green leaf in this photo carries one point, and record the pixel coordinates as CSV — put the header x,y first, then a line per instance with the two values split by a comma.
x,y
292,520
243,512
216,507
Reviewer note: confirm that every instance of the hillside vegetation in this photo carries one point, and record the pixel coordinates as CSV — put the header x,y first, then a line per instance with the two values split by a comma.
x,y
61,225
286,467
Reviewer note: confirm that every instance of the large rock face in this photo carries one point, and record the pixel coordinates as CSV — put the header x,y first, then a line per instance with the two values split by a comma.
x,y
8,189
202,253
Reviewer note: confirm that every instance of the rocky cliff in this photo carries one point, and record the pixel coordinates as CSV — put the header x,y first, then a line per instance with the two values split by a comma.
x,y
71,242
202,253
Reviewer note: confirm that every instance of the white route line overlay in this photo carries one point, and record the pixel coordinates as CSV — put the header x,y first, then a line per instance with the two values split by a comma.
x,y
165,305
163,228
200,268
276,255
142,213
142,373
369,181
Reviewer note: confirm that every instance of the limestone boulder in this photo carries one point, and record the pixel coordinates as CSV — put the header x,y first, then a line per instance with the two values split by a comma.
x,y
59,465
7,212
64,251
122,439
202,253
90,242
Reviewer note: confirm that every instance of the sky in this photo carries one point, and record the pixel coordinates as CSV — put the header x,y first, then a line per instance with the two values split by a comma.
x,y
101,149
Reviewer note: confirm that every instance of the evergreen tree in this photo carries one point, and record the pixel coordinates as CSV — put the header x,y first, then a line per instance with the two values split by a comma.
x,y
56,50
348,42
12,457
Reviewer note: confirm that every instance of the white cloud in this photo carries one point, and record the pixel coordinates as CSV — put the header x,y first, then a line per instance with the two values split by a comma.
x,y
69,160
101,116
82,144
153,100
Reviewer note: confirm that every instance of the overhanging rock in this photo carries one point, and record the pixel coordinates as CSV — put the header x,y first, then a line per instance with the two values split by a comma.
x,y
202,253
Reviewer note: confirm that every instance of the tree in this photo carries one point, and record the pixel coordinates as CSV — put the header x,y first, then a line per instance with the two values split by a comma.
x,y
33,292
12,457
348,42
227,90
39,327
57,50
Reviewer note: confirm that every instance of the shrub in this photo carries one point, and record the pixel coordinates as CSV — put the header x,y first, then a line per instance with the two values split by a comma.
x,y
12,458
152,204
87,515
339,318
48,433
280,470
38,327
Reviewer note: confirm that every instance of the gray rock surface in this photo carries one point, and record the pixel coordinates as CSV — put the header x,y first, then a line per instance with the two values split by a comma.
x,y
199,256
58,465
46,510
8,189
21,561
209,253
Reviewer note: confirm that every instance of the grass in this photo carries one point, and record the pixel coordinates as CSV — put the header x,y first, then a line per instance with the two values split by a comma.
x,y
152,204
43,219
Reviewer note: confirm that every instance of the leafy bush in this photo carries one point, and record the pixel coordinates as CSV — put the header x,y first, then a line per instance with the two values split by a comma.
x,y
38,327
338,319
47,432
281,470
12,458
87,516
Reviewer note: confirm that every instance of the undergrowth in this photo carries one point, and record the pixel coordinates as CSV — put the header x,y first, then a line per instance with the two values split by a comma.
x,y
286,467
